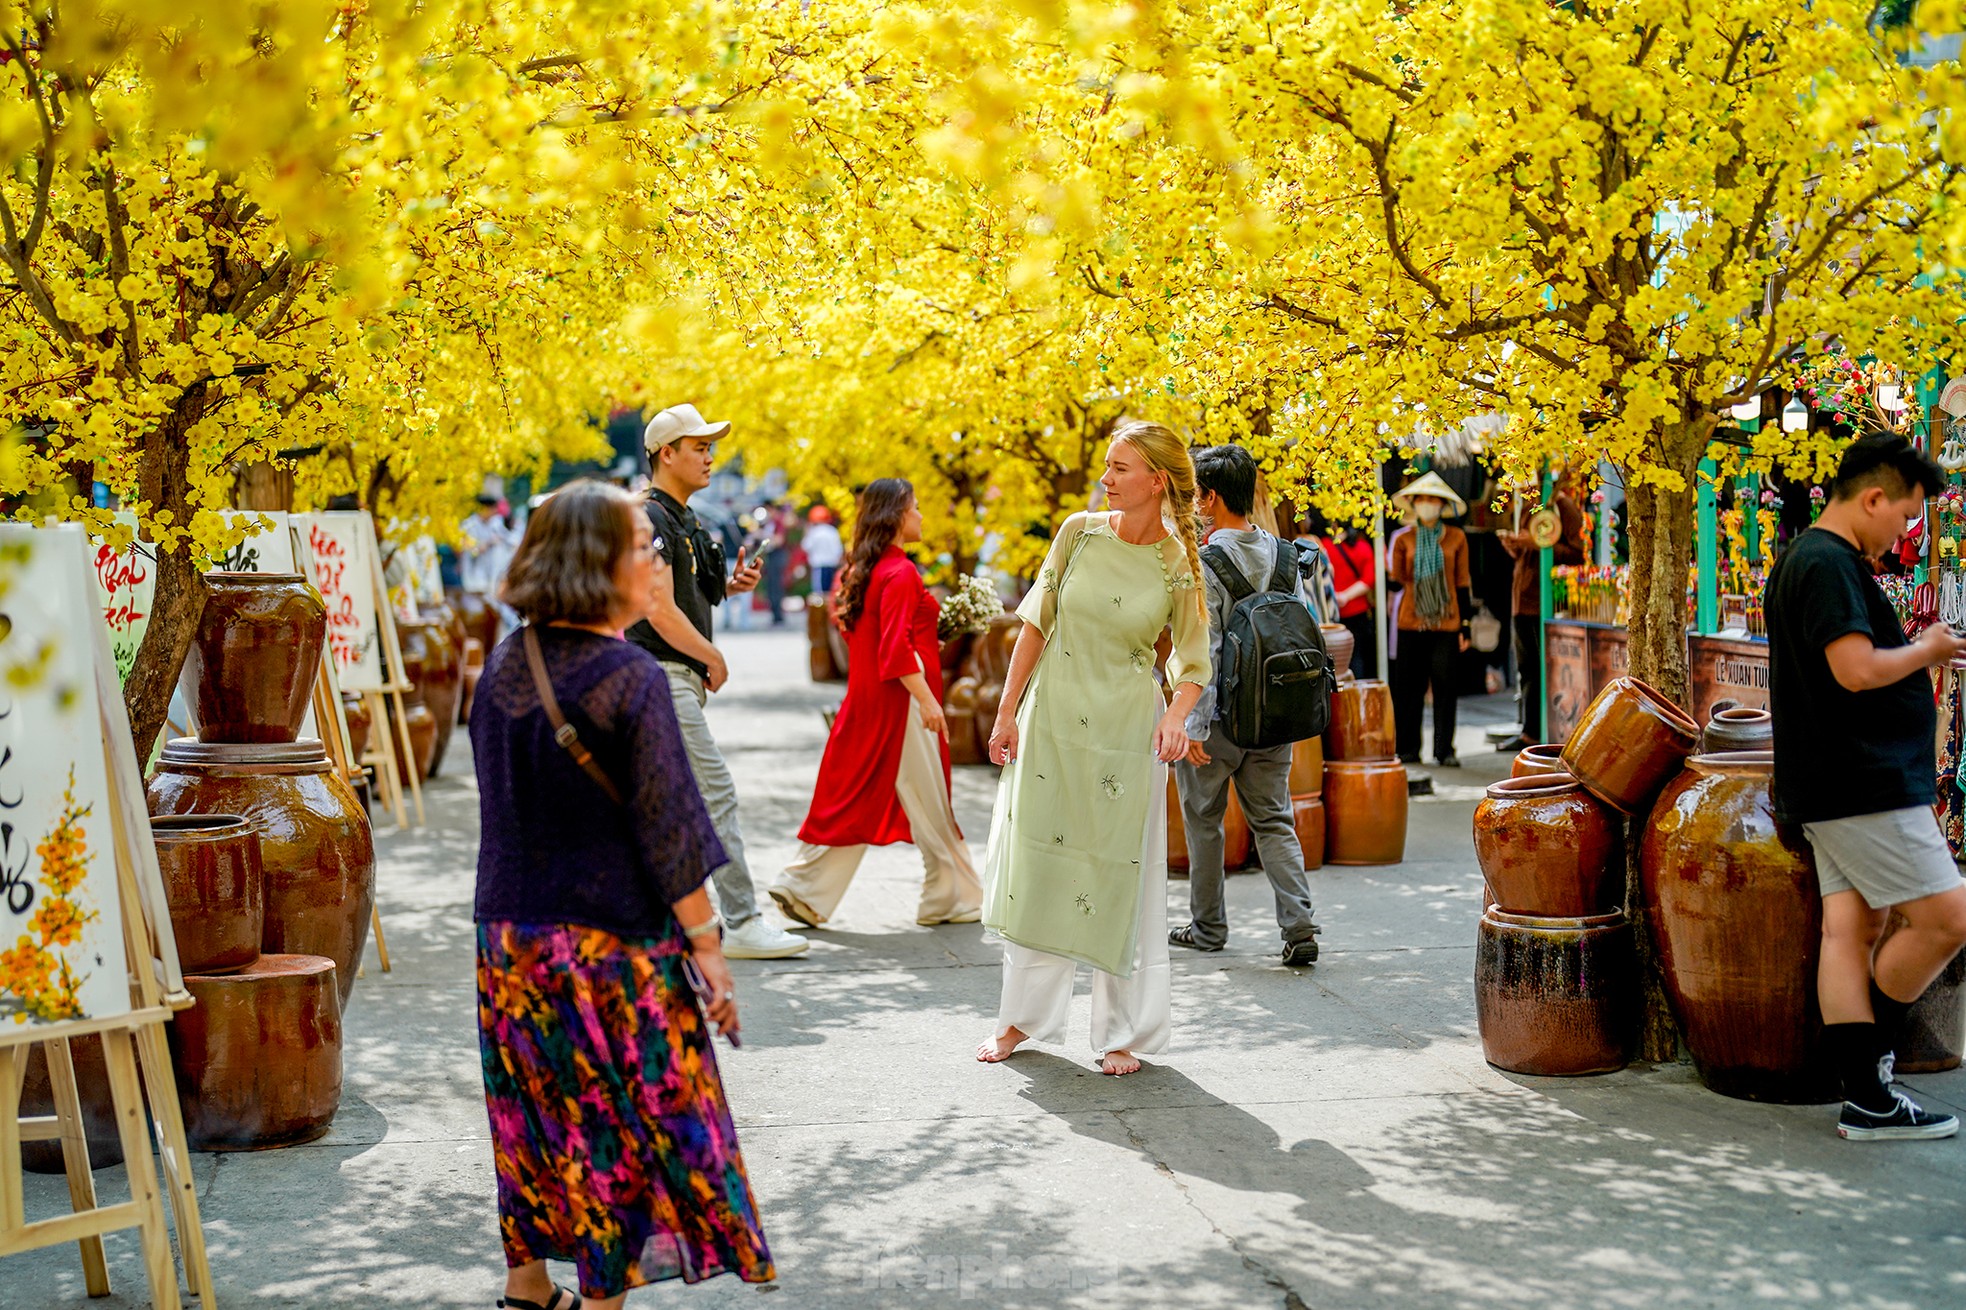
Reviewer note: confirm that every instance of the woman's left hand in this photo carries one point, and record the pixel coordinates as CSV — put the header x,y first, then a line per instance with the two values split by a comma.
x,y
1170,738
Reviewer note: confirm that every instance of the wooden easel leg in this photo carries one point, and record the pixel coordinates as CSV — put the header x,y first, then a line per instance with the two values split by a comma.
x,y
172,1148
392,783
409,756
75,1158
158,1265
381,943
13,1072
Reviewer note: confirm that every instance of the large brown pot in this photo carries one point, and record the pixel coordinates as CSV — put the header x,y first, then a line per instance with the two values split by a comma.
x,y
214,887
1307,815
440,680
1629,742
1548,847
314,839
1361,725
251,666
1339,643
1364,811
1307,767
1556,996
360,722
1545,757
258,1058
37,1097
1733,727
1934,1037
1736,921
480,619
819,651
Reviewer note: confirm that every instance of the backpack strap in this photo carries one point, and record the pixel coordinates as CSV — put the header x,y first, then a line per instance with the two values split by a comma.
x,y
563,732
1217,560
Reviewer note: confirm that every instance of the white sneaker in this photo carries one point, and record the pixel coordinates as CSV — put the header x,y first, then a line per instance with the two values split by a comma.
x,y
757,940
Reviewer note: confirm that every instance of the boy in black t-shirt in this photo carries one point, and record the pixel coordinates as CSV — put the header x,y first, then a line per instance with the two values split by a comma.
x,y
1854,765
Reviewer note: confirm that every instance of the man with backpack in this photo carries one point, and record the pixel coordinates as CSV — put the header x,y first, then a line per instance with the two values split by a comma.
x,y
1257,622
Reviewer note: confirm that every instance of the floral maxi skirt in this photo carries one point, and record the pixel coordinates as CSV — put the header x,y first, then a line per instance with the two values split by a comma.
x,y
613,1142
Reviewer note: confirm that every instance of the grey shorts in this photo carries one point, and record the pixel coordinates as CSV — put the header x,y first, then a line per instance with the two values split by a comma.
x,y
1887,858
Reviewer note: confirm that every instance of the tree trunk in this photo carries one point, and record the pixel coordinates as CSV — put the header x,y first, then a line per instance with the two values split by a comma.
x,y
1661,527
163,482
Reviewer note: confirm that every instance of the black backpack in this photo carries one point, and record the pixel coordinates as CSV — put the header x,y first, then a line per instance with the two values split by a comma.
x,y
1275,683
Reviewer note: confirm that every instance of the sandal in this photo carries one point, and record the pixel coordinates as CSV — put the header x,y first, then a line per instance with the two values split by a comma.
x,y
1185,936
553,1302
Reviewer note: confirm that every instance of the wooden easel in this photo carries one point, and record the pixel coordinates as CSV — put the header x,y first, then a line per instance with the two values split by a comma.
x,y
394,679
129,1041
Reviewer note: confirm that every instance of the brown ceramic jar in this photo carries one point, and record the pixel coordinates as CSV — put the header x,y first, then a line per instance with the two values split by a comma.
x,y
1339,643
360,723
1736,921
1545,757
251,666
1307,815
1556,996
1630,740
1307,767
258,1058
215,888
1364,811
37,1097
443,677
1733,727
1548,847
1361,725
314,839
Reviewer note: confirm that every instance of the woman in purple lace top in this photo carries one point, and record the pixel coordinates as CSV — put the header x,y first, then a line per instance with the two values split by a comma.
x,y
613,1142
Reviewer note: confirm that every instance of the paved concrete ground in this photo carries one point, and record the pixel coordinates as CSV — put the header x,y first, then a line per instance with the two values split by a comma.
x,y
1323,1138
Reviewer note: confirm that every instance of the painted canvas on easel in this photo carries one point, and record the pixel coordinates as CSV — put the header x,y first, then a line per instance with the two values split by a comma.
x,y
126,584
339,547
61,931
268,547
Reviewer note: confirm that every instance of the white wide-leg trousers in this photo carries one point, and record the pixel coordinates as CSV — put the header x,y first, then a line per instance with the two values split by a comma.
x,y
821,874
1128,1014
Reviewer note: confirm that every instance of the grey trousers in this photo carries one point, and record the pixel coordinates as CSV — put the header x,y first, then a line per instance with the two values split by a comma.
x,y
737,899
1262,779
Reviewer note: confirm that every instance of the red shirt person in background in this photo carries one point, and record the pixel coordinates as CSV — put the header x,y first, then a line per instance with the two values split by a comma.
x,y
885,774
1351,554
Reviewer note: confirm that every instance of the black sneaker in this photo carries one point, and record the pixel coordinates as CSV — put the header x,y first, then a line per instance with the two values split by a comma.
x,y
1301,953
1450,761
1906,1122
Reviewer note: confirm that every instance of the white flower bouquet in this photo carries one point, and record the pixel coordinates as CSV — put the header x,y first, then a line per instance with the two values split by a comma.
x,y
970,608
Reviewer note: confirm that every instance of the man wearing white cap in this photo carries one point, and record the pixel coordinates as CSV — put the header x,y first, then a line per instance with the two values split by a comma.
x,y
682,450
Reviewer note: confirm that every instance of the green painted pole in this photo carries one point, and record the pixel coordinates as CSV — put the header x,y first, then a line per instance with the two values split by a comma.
x,y
1548,561
1706,531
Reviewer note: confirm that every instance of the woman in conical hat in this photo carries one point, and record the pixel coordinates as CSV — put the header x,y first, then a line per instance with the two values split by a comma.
x,y
1428,560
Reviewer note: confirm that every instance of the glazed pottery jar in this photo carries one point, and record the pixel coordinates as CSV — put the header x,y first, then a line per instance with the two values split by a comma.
x,y
1934,1038
1733,727
437,670
1629,741
1237,845
251,666
819,653
1361,725
1307,767
314,839
1548,847
1307,816
1546,757
258,1058
1736,921
1364,811
1556,996
215,888
360,723
1339,643
37,1097
480,619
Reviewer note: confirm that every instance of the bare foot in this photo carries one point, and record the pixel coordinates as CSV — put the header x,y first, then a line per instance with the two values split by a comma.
x,y
1119,1062
1000,1046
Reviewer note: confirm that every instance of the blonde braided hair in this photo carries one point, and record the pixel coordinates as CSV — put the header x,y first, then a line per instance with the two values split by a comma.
x,y
1167,455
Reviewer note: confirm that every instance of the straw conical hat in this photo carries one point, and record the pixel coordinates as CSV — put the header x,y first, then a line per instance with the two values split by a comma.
x,y
1429,484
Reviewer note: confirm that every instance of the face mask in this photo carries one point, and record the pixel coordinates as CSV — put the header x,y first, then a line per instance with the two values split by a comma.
x,y
1427,512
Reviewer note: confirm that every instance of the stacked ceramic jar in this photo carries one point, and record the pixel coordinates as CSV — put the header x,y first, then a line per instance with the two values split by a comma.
x,y
1364,782
270,870
1556,969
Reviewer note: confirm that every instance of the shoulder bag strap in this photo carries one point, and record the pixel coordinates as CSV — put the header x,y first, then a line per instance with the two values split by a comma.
x,y
563,732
